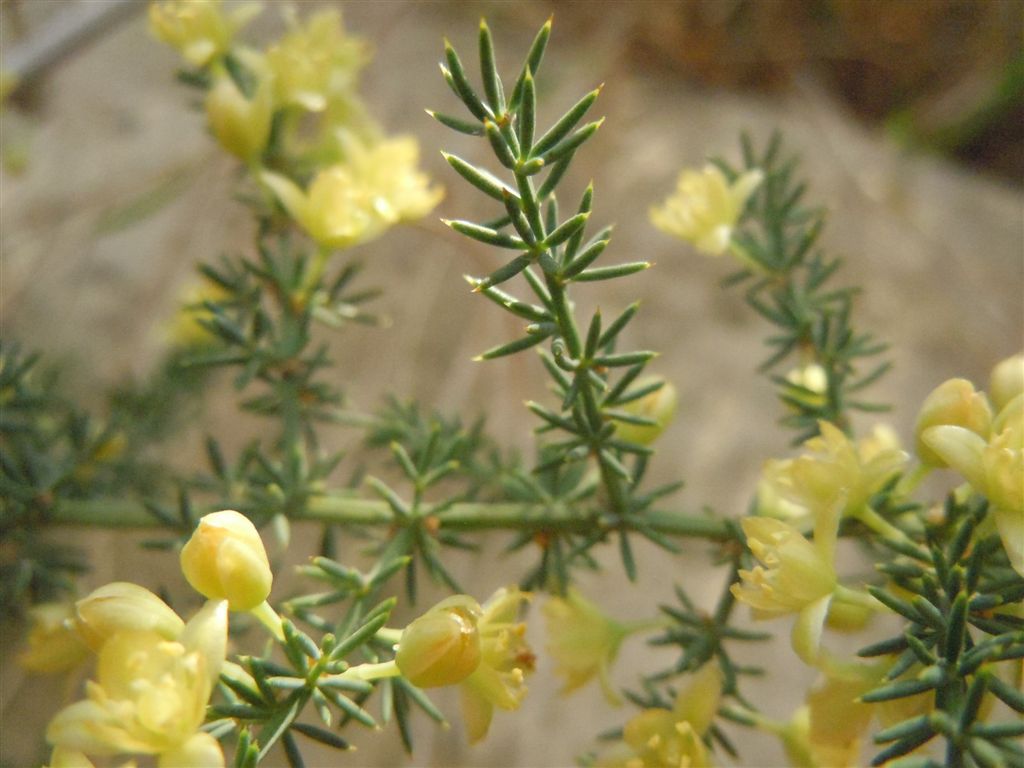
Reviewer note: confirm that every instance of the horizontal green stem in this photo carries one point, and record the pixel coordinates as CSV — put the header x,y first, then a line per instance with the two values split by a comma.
x,y
346,510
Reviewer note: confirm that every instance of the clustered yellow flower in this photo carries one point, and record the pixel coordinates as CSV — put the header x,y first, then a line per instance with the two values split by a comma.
x,y
833,477
155,673
706,207
153,680
957,429
663,738
351,202
480,648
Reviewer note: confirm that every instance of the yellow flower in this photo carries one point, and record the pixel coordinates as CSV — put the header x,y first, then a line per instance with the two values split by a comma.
x,y
123,607
506,659
149,696
225,560
659,405
240,124
994,468
795,576
705,207
1007,381
53,644
663,738
199,29
953,402
582,640
441,647
834,467
316,62
352,202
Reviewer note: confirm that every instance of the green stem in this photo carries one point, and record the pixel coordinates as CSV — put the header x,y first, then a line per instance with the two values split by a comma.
x,y
879,524
611,480
268,617
389,635
345,510
372,671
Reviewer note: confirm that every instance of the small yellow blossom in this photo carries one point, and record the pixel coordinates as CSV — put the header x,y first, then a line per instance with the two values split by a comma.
x,y
706,207
241,125
316,62
121,607
441,647
994,468
506,659
355,201
582,640
953,402
1007,381
53,644
659,405
833,466
663,738
150,695
225,560
199,29
794,576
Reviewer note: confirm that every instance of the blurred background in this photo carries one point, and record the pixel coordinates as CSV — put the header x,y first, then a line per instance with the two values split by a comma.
x,y
909,117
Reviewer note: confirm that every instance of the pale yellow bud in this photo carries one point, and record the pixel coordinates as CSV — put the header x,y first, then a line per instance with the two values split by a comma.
x,y
810,385
659,406
1007,381
705,207
225,560
241,125
956,403
122,607
441,647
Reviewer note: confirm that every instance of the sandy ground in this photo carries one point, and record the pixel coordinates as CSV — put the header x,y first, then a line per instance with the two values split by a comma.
x,y
938,251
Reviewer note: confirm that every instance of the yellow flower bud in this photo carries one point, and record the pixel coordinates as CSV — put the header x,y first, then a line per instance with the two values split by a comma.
x,y
1007,381
122,607
53,644
954,402
225,560
241,125
706,207
441,647
659,406
809,385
